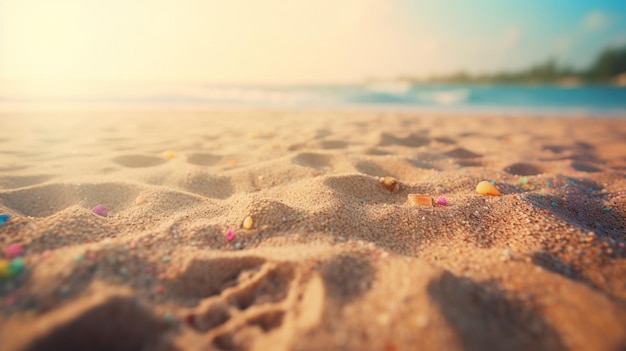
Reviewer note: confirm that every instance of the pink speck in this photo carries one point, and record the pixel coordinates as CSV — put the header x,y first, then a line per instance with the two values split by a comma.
x,y
10,300
46,254
12,251
442,201
621,245
190,319
230,234
100,210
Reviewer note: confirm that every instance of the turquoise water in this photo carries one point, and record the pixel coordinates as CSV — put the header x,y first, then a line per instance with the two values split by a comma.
x,y
586,100
499,99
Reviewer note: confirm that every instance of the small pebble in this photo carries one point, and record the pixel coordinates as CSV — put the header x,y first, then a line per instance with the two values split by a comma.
x,y
140,199
100,210
45,254
159,289
230,234
4,217
5,272
390,184
442,201
168,317
190,319
486,188
16,266
248,222
12,251
169,154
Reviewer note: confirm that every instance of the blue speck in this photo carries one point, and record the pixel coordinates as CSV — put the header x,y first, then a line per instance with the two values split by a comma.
x,y
4,217
492,182
548,184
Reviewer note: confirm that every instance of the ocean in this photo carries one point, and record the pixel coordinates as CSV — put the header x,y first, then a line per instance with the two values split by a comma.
x,y
585,100
452,98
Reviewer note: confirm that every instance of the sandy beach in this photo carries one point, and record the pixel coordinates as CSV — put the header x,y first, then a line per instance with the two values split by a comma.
x,y
272,230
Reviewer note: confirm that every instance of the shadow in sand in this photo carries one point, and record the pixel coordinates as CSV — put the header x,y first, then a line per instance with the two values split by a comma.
x,y
483,318
346,277
582,203
117,324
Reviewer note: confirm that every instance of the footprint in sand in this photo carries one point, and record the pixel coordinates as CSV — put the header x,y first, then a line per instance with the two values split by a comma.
x,y
333,144
278,299
465,157
460,152
41,201
522,169
46,200
403,169
208,185
413,140
314,160
234,296
138,161
206,278
22,181
203,159
585,167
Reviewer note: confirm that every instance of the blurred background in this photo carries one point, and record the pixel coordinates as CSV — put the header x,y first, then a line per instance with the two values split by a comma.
x,y
486,55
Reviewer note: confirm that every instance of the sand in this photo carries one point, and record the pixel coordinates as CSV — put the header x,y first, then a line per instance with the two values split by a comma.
x,y
334,260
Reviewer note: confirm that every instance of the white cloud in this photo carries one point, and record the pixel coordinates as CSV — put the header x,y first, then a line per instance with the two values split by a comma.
x,y
596,20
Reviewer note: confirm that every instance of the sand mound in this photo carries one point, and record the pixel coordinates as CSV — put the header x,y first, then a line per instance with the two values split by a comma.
x,y
333,260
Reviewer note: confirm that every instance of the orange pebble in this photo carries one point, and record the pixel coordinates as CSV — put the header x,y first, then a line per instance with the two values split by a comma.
x,y
420,200
390,184
486,188
248,222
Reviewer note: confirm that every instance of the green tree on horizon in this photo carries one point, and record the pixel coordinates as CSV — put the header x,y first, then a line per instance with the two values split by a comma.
x,y
610,63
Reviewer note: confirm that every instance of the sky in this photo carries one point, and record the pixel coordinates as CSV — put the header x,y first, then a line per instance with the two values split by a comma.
x,y
47,43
